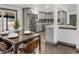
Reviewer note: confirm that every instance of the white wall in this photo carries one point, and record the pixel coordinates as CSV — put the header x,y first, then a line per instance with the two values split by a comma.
x,y
19,13
78,24
78,17
72,8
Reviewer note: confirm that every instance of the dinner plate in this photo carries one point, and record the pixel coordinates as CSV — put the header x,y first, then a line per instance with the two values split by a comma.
x,y
4,33
13,35
27,32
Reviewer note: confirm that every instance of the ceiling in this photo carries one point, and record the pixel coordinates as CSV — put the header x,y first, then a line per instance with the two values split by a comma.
x,y
38,7
45,7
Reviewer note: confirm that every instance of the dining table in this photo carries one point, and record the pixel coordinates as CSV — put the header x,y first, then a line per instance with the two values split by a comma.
x,y
22,38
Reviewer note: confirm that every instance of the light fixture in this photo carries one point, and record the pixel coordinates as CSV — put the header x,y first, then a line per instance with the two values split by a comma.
x,y
34,11
47,8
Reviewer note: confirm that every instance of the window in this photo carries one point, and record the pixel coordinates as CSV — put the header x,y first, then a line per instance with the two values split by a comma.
x,y
62,17
7,18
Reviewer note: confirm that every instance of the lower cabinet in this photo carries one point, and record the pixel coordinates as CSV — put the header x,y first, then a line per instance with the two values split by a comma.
x,y
49,32
38,27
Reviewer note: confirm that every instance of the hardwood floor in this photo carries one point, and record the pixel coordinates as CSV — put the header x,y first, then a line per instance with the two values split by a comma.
x,y
48,48
60,49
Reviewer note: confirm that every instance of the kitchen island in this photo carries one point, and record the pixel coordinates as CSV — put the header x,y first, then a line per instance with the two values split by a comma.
x,y
65,33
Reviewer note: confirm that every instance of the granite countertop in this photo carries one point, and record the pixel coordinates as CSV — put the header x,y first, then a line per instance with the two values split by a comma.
x,y
67,27
63,27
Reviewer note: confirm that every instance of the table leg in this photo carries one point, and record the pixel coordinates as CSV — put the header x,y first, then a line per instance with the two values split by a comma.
x,y
15,49
39,44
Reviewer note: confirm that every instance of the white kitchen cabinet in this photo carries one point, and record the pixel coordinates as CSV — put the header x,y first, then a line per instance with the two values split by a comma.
x,y
49,33
38,27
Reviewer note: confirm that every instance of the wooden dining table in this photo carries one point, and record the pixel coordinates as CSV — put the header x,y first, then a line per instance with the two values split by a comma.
x,y
22,38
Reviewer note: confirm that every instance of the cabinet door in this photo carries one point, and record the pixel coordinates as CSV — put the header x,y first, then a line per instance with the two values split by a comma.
x,y
38,27
49,34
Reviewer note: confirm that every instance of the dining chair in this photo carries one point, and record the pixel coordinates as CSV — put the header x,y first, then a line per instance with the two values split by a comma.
x,y
1,39
5,47
30,46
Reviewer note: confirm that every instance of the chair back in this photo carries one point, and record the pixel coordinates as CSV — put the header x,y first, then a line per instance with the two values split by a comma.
x,y
31,45
3,46
1,39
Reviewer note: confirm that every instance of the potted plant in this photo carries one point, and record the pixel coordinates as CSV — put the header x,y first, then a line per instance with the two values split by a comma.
x,y
16,25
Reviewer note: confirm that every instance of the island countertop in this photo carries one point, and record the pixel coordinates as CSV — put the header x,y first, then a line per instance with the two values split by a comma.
x,y
63,27
67,27
51,26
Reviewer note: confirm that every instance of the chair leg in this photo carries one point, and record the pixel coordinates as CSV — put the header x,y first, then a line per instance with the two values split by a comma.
x,y
11,52
34,52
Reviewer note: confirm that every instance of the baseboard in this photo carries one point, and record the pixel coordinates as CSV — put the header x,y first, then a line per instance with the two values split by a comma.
x,y
67,44
53,43
62,43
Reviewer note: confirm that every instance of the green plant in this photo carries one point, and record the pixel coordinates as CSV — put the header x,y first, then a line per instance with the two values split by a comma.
x,y
74,22
16,24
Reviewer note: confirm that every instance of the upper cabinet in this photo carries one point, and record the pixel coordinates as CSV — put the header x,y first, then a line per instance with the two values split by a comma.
x,y
41,15
45,15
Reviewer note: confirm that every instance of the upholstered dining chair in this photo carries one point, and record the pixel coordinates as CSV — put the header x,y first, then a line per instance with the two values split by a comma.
x,y
5,47
30,46
1,39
